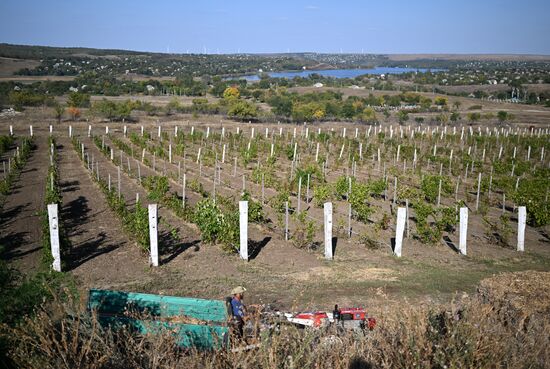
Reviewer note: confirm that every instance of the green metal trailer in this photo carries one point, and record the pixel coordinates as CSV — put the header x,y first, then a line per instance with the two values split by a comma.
x,y
196,323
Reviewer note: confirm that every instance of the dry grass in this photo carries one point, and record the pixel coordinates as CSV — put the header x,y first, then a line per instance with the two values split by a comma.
x,y
468,333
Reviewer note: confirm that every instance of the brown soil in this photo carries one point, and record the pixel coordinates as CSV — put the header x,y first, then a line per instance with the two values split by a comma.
x,y
8,66
278,274
101,254
20,223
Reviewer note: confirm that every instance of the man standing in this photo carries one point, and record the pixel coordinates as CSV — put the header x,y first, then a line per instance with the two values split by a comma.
x,y
238,310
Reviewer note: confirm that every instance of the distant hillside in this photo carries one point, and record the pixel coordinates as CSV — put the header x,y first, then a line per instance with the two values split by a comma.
x,y
41,52
468,57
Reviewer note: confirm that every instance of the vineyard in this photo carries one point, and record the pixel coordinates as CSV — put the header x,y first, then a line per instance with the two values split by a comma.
x,y
103,178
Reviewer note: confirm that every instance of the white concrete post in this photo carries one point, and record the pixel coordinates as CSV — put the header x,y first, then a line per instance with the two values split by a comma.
x,y
522,216
11,130
158,133
51,130
30,131
478,190
463,230
106,130
170,153
223,154
299,193
328,230
54,236
317,153
243,224
153,234
125,130
401,217
398,152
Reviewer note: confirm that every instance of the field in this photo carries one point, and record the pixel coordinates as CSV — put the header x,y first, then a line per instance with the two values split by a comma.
x,y
104,249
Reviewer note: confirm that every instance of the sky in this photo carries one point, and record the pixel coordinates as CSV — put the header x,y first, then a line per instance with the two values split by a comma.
x,y
218,26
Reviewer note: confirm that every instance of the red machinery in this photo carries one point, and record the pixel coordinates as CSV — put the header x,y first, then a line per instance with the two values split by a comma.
x,y
347,318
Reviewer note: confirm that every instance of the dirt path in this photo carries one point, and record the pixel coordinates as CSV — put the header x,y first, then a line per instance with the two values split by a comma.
x,y
101,253
188,235
20,224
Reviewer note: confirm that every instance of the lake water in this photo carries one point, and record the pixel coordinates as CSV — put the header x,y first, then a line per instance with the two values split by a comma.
x,y
339,73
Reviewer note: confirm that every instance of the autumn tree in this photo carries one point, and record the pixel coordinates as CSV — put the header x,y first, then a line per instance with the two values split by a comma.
x,y
231,93
440,101
74,112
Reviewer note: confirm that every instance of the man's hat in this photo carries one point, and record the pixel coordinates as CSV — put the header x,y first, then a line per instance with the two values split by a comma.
x,y
237,290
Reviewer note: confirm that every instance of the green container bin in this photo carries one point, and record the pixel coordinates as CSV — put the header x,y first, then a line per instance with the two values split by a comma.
x,y
196,323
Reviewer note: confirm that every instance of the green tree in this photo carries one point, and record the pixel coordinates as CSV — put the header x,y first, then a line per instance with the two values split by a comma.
x,y
368,115
78,100
440,101
473,117
502,116
305,112
402,116
59,110
243,110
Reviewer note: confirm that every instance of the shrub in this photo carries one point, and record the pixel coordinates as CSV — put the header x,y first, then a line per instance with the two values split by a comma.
x,y
358,199
430,187
302,236
321,194
217,226
278,201
255,209
342,186
157,186
377,186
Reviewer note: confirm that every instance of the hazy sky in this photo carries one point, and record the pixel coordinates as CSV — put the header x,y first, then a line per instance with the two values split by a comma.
x,y
390,26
